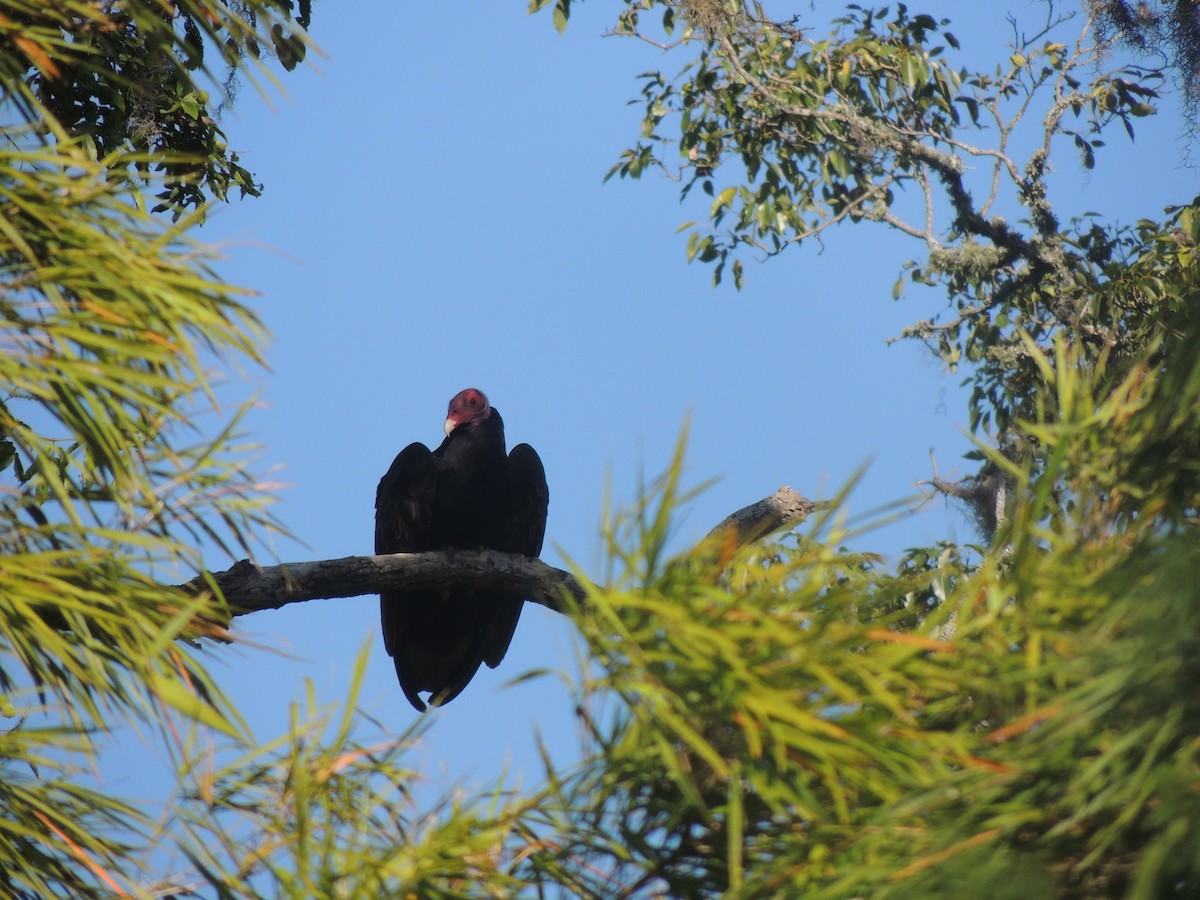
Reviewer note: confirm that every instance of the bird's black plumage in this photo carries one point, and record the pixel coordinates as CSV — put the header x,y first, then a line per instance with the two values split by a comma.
x,y
467,494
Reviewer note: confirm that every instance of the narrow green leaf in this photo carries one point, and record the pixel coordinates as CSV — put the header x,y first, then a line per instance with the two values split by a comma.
x,y
562,12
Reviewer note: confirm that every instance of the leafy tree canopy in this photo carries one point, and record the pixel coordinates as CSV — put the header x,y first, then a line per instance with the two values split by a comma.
x,y
119,78
1168,31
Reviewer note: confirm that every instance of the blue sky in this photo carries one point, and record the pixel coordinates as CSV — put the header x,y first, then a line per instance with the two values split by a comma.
x,y
434,218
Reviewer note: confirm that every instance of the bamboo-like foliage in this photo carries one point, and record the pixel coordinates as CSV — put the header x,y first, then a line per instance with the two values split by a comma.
x,y
798,720
316,814
116,467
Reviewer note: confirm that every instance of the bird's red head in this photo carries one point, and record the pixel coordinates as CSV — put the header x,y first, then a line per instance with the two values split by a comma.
x,y
468,407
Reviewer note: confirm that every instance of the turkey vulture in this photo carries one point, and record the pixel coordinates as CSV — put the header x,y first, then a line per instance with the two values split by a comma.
x,y
467,494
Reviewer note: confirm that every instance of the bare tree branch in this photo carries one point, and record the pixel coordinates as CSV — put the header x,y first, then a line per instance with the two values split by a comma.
x,y
782,509
251,588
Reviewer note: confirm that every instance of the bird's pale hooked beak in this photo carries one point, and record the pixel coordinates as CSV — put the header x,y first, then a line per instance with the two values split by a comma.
x,y
450,425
